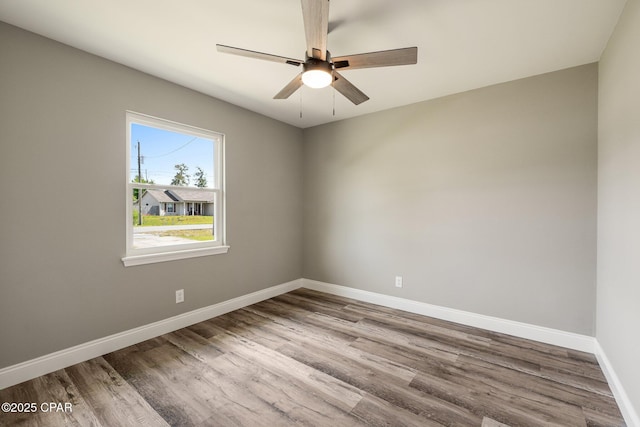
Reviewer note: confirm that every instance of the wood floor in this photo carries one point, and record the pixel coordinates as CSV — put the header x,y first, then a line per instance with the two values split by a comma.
x,y
308,358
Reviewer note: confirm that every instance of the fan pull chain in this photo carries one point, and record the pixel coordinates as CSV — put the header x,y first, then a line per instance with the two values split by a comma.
x,y
334,101
301,104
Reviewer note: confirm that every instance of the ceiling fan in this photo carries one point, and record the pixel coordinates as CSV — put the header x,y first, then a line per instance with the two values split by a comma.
x,y
319,68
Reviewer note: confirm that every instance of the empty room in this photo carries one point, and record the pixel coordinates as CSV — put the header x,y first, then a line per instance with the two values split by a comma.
x,y
303,212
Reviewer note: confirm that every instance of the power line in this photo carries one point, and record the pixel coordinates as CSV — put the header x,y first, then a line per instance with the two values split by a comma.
x,y
173,151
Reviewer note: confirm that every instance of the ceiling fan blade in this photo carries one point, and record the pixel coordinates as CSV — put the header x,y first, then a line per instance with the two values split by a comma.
x,y
258,55
385,58
346,88
290,88
315,14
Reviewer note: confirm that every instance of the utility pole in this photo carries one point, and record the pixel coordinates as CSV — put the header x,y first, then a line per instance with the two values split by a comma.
x,y
139,189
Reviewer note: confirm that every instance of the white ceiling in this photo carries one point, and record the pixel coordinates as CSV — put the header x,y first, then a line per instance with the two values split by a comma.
x,y
462,44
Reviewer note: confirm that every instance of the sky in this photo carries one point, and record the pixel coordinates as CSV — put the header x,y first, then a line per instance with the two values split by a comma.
x,y
161,150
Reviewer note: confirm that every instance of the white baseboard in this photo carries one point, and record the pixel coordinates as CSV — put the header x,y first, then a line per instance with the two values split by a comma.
x,y
624,402
61,359
519,329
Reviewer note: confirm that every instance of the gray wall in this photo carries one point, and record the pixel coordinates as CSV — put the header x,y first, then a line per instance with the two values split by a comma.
x,y
618,309
62,184
484,201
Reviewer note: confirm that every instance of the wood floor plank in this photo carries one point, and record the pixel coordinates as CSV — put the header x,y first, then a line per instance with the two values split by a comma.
x,y
376,333
376,311
159,378
311,336
488,422
541,354
577,379
55,388
299,329
381,385
501,354
315,306
113,401
496,402
313,359
192,391
374,412
454,342
329,388
260,334
243,323
596,418
324,298
206,329
520,382
194,345
296,399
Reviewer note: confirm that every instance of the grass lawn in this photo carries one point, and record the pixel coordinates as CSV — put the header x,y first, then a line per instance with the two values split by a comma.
x,y
200,235
155,220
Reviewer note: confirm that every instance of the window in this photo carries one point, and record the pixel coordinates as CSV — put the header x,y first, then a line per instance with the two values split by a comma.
x,y
175,191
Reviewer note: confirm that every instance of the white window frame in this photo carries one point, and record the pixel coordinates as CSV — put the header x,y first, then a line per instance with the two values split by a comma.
x,y
139,256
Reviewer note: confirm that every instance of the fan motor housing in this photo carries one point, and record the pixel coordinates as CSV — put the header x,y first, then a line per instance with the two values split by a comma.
x,y
317,64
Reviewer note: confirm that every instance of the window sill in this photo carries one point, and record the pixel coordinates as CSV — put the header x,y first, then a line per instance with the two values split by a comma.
x,y
132,260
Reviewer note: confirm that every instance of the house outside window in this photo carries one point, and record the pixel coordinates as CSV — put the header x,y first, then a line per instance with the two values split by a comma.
x,y
175,191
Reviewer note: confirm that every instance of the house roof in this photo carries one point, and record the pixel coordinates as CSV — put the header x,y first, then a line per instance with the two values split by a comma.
x,y
162,196
180,195
192,195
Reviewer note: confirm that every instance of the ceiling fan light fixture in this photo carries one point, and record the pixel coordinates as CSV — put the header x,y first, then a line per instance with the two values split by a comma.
x,y
317,74
316,79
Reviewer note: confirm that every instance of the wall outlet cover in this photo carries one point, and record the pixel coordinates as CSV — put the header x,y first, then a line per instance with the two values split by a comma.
x,y
179,296
398,281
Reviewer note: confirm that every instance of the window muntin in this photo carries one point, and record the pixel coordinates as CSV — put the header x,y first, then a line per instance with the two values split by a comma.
x,y
175,192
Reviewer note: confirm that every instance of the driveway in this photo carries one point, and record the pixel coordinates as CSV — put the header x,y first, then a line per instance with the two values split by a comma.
x,y
144,237
155,229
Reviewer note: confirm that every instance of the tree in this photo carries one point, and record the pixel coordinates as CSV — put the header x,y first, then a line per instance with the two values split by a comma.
x,y
141,181
181,178
201,179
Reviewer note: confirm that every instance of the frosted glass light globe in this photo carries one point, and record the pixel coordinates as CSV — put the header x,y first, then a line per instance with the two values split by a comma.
x,y
316,78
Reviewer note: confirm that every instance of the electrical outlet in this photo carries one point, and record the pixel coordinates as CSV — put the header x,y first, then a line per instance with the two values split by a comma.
x,y
398,281
179,296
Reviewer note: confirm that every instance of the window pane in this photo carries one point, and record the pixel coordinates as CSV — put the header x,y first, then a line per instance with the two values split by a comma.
x,y
179,205
165,157
158,222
